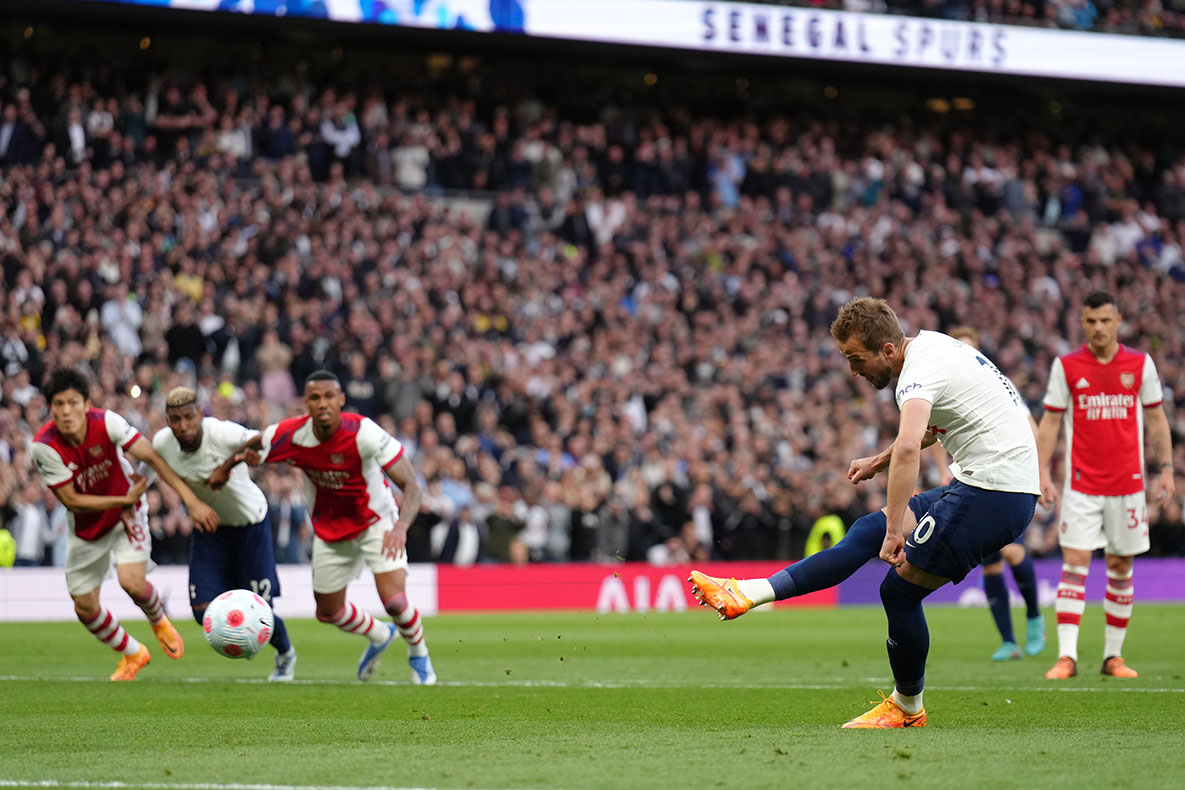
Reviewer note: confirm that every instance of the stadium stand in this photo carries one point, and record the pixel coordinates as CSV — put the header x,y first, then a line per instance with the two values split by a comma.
x,y
600,329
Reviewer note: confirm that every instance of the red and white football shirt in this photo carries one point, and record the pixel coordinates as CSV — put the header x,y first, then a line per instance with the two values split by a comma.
x,y
1104,417
97,466
346,481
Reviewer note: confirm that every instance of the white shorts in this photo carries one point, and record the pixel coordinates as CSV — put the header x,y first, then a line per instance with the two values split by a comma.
x,y
89,561
337,564
1118,524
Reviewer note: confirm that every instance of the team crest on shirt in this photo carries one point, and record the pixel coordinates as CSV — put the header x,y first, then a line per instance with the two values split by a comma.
x,y
96,451
1127,379
337,458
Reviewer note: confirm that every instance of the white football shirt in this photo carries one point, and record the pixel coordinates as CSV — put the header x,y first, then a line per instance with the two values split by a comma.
x,y
976,413
240,502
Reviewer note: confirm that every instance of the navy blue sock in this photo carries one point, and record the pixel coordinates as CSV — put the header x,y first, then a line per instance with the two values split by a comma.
x,y
831,566
1026,582
997,601
199,613
909,636
279,638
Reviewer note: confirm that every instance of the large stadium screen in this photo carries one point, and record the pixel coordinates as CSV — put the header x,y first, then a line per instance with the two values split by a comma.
x,y
760,29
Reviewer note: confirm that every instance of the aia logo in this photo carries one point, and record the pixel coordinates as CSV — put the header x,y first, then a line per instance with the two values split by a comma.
x,y
337,459
935,431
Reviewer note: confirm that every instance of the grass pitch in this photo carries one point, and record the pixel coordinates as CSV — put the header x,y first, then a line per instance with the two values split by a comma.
x,y
586,701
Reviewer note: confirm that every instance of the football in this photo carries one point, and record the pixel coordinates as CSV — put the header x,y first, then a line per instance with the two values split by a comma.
x,y
238,624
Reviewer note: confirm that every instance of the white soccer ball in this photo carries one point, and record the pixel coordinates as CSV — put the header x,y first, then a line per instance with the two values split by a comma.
x,y
238,624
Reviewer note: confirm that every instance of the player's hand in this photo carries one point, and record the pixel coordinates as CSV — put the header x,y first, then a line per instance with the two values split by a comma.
x,y
252,457
127,516
863,469
395,541
217,479
139,486
893,549
1049,495
1166,484
203,516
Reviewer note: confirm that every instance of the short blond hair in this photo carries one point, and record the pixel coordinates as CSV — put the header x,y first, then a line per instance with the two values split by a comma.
x,y
179,397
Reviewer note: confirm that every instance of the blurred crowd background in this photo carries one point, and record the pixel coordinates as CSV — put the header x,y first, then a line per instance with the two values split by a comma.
x,y
595,315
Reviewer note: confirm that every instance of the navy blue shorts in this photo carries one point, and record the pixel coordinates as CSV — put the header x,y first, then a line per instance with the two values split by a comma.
x,y
233,558
959,526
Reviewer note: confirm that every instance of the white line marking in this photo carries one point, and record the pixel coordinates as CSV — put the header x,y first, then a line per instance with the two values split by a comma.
x,y
594,684
54,783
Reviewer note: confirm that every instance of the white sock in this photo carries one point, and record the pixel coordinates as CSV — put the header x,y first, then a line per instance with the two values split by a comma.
x,y
907,703
758,591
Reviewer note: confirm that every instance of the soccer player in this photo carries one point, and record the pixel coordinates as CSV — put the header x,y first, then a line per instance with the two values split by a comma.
x,y
238,554
950,393
1103,393
347,460
80,454
1022,571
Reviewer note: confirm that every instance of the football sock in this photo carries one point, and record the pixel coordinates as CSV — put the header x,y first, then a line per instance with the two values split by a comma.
x,y
997,601
1117,605
151,604
909,636
353,620
831,566
106,628
910,703
758,591
1026,581
279,640
407,620
1071,603
199,613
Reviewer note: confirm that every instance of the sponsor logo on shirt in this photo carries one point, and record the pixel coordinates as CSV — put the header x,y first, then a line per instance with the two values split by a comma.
x,y
328,478
1082,384
1106,407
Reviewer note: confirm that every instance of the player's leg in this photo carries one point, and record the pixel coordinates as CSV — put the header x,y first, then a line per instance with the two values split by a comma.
x,y
1025,577
1125,524
1080,533
131,564
998,604
87,563
255,565
335,565
392,587
862,542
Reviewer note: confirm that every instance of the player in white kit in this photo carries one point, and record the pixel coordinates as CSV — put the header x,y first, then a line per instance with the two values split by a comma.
x,y
950,393
239,553
1103,393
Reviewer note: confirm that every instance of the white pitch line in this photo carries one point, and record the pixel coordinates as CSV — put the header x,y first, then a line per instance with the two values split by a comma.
x,y
84,785
592,684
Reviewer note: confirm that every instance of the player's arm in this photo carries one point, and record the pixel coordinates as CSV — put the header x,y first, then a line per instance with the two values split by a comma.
x,y
203,516
77,502
869,467
1160,437
403,474
903,475
1047,430
221,473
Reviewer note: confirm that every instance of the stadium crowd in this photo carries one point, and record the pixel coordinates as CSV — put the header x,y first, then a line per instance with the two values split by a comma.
x,y
616,348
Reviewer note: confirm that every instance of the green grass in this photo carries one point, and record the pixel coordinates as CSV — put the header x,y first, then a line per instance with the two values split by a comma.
x,y
585,701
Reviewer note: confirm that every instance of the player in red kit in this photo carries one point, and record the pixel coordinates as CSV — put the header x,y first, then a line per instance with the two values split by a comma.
x,y
80,456
1103,393
347,460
